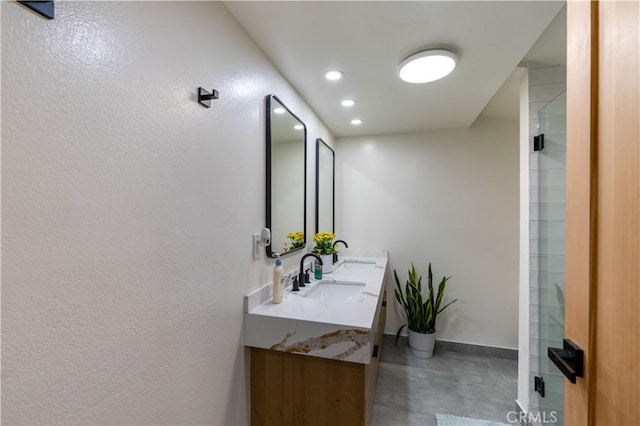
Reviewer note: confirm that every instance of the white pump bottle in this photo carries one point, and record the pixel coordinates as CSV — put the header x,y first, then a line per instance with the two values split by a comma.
x,y
278,271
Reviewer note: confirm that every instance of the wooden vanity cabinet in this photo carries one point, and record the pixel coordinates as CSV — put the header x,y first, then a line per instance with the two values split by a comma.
x,y
294,390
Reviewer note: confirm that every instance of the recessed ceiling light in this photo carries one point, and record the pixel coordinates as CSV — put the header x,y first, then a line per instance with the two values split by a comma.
x,y
333,75
278,110
427,65
298,127
348,103
356,122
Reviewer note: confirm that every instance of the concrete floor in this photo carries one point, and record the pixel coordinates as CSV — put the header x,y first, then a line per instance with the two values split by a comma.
x,y
410,391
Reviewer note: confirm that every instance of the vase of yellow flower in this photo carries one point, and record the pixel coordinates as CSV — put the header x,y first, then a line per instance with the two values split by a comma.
x,y
324,248
296,241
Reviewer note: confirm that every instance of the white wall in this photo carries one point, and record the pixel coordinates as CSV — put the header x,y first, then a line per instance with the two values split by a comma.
x,y
128,211
448,197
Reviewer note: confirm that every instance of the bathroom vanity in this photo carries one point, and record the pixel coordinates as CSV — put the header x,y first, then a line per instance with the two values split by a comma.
x,y
314,357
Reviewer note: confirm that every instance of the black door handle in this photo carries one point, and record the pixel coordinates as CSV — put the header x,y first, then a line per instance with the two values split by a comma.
x,y
569,359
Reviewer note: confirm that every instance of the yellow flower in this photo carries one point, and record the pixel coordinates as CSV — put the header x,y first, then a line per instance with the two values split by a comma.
x,y
324,242
324,237
297,239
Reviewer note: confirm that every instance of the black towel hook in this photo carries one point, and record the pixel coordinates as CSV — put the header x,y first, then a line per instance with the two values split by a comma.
x,y
204,97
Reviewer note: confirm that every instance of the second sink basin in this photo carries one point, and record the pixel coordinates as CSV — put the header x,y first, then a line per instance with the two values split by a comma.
x,y
336,290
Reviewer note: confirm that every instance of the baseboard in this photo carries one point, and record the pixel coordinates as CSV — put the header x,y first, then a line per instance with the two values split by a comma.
x,y
469,348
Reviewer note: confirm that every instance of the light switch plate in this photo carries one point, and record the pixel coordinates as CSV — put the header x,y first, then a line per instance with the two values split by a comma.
x,y
256,246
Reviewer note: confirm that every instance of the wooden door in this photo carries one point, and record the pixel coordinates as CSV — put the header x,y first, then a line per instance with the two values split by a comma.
x,y
603,210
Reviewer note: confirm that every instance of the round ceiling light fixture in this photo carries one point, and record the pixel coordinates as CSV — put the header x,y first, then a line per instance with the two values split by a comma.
x,y
427,65
333,75
348,103
356,122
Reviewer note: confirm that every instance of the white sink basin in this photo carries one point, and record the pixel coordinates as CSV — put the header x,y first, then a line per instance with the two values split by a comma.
x,y
336,291
358,265
352,271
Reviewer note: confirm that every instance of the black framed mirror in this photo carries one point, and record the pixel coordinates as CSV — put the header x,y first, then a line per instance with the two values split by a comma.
x,y
325,187
286,179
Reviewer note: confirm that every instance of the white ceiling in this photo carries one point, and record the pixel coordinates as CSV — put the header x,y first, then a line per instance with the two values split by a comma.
x,y
551,47
367,41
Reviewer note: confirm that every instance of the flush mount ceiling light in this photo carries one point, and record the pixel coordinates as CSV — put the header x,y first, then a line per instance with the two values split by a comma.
x,y
427,65
278,110
348,103
298,127
333,75
356,122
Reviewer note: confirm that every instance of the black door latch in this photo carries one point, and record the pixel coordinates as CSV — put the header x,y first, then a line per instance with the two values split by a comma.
x,y
569,359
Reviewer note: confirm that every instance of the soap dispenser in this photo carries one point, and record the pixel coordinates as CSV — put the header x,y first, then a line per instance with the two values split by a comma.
x,y
317,271
278,271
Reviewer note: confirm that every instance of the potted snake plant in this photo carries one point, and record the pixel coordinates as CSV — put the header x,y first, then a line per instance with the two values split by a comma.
x,y
421,313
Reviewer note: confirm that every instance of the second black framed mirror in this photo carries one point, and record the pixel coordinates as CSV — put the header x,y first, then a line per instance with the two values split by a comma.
x,y
325,187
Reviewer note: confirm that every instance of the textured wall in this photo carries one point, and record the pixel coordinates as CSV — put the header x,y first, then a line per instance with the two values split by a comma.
x,y
128,209
447,197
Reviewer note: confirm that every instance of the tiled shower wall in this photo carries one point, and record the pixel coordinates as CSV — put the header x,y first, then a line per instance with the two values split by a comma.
x,y
547,203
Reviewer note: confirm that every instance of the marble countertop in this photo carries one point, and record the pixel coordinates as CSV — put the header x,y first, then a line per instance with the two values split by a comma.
x,y
330,329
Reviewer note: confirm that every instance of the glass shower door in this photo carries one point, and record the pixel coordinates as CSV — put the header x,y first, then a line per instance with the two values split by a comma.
x,y
547,263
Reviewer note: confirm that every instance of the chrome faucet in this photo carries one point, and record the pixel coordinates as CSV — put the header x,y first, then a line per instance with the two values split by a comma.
x,y
335,254
301,271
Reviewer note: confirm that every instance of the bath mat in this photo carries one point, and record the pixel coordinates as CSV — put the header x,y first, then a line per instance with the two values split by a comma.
x,y
449,420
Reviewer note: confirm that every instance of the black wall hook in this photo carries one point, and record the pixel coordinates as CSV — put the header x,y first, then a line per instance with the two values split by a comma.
x,y
204,97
